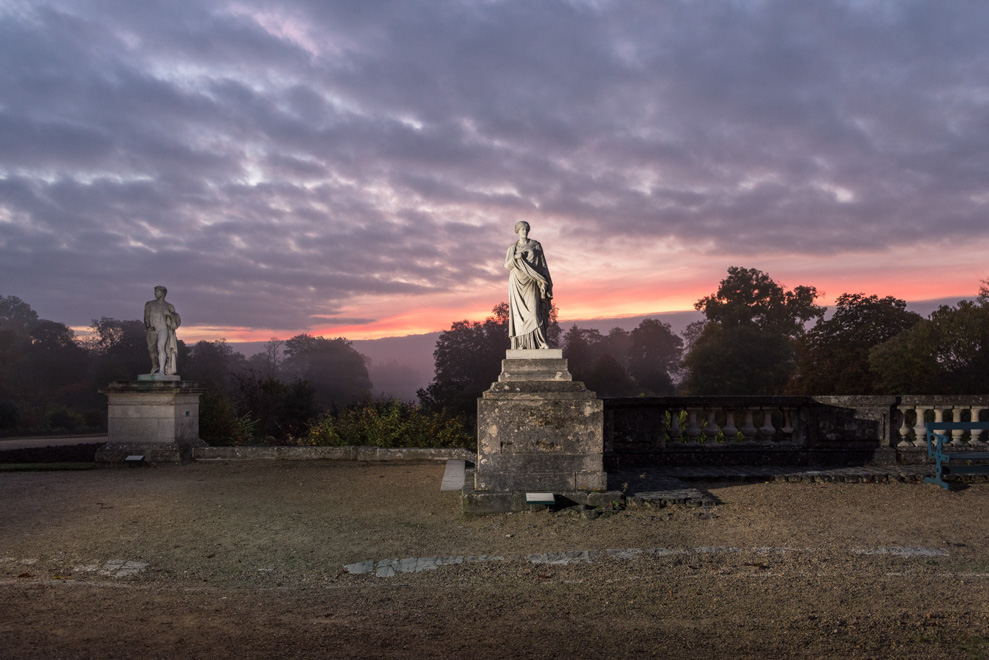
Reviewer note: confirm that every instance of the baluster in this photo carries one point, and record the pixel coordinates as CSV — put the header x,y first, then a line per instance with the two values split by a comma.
x,y
731,432
711,429
938,414
789,424
976,437
693,430
675,431
749,430
956,435
919,430
767,430
904,430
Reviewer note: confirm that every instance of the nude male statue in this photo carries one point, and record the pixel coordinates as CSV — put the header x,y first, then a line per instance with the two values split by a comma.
x,y
160,319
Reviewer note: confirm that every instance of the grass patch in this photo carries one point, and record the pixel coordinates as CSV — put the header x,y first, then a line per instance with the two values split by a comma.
x,y
45,467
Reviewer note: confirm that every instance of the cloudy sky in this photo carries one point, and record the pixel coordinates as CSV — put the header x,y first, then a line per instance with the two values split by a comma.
x,y
356,167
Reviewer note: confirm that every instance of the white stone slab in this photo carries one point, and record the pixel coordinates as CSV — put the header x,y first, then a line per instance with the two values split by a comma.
x,y
540,498
534,354
453,476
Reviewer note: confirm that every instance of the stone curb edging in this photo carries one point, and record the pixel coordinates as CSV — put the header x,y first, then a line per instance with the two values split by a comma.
x,y
864,474
353,453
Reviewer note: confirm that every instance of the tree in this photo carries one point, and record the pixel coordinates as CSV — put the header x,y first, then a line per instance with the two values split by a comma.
x,y
750,297
747,343
43,372
742,360
945,354
468,359
833,357
336,371
278,412
609,378
653,356
56,363
269,362
119,350
624,363
212,364
17,320
16,316
582,347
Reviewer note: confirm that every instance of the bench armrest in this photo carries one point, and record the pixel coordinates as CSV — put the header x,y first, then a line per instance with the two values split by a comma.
x,y
935,442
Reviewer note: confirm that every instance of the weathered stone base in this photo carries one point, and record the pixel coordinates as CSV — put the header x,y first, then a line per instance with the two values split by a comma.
x,y
537,431
157,419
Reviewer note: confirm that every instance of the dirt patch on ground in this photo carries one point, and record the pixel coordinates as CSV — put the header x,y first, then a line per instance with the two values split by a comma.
x,y
237,559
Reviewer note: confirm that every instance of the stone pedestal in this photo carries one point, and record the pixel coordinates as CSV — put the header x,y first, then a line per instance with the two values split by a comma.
x,y
157,418
538,430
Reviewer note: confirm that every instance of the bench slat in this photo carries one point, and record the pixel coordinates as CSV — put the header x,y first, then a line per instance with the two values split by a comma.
x,y
956,426
965,469
966,456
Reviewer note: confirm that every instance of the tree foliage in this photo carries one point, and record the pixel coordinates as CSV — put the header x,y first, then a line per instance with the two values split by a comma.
x,y
834,354
44,383
749,297
945,354
467,360
637,363
213,364
740,360
119,350
653,356
336,371
747,345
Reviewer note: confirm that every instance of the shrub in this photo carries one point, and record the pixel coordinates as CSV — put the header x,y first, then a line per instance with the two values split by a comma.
x,y
9,415
388,423
59,418
219,423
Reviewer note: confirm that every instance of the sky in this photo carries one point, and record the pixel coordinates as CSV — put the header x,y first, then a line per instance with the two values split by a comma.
x,y
356,168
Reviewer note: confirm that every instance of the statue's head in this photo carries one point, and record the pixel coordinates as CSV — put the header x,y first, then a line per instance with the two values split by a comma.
x,y
164,291
520,224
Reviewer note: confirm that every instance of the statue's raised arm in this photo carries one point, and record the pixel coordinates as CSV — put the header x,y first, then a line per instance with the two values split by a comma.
x,y
530,291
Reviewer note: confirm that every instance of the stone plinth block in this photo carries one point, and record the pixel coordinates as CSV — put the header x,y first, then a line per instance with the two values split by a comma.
x,y
538,429
158,419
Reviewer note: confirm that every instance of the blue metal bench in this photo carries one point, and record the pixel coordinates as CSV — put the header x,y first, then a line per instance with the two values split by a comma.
x,y
953,462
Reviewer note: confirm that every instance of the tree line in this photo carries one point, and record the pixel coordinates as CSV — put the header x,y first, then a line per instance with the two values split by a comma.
x,y
757,337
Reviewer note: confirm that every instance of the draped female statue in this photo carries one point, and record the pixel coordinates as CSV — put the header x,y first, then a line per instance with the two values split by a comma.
x,y
530,291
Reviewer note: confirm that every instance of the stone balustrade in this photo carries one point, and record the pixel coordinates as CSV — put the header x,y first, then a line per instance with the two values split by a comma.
x,y
782,430
912,412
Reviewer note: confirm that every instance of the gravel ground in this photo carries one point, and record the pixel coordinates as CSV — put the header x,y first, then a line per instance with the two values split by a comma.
x,y
249,559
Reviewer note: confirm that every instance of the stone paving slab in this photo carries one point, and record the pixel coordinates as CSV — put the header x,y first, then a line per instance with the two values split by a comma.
x,y
386,568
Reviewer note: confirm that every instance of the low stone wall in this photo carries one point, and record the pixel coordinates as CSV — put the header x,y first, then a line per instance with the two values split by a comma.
x,y
366,454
